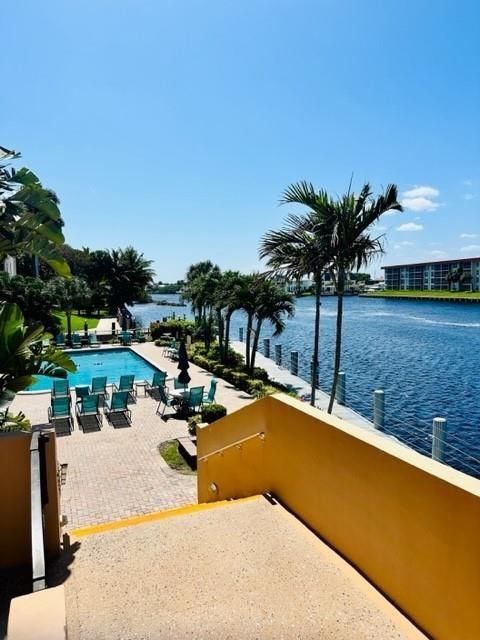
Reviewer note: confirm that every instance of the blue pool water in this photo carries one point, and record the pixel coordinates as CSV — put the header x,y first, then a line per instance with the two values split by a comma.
x,y
424,355
102,362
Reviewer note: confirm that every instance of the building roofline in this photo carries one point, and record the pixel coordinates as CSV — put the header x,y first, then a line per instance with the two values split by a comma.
x,y
419,264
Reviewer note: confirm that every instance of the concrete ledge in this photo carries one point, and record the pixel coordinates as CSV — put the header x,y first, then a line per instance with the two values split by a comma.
x,y
38,616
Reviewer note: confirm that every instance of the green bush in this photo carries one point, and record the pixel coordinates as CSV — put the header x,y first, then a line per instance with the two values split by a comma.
x,y
255,387
192,424
212,412
177,327
260,374
201,361
240,380
219,370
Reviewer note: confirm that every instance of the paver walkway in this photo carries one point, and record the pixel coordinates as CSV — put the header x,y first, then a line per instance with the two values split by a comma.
x,y
116,473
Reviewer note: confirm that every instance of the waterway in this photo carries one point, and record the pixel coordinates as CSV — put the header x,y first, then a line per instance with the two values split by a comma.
x,y
424,355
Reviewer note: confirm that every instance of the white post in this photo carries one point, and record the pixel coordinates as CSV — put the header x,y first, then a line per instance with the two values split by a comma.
x,y
278,354
439,437
341,388
266,347
379,409
294,362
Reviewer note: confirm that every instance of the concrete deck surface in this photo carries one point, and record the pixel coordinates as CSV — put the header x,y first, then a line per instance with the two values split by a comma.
x,y
242,570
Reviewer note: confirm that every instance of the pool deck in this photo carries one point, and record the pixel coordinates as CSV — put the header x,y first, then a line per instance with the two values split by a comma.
x,y
117,473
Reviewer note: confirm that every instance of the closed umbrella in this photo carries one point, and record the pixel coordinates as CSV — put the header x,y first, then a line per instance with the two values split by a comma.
x,y
183,365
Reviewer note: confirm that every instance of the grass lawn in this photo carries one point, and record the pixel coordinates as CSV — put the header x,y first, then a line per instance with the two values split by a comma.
x,y
77,321
463,295
169,452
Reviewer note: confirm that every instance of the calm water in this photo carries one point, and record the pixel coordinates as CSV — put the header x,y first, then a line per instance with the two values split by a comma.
x,y
112,363
425,355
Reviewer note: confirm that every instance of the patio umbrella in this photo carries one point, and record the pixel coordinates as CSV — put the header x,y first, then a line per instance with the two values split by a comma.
x,y
183,364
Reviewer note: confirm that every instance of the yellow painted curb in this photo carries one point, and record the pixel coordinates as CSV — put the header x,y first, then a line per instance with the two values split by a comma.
x,y
153,517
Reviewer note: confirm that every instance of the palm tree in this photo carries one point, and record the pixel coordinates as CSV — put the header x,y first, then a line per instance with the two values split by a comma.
x,y
300,249
201,285
346,224
128,273
272,304
69,294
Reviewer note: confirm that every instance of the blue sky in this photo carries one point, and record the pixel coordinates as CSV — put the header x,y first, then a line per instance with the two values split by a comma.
x,y
175,126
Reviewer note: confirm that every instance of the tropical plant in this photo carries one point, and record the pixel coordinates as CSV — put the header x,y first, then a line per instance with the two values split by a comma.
x,y
347,221
127,274
69,294
23,356
271,305
301,248
32,297
30,221
201,285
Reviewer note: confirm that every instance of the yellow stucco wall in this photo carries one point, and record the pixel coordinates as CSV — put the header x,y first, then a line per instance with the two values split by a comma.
x,y
410,524
15,543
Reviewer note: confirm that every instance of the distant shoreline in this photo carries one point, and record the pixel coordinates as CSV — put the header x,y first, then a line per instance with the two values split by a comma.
x,y
426,295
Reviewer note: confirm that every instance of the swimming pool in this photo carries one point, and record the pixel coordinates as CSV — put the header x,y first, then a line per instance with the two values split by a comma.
x,y
112,363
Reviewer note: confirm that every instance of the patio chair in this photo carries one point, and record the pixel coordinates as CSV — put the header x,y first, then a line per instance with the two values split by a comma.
x,y
209,398
81,392
179,385
88,407
60,389
60,410
76,341
165,399
195,399
126,384
158,380
93,340
60,341
171,351
118,403
99,387
126,338
139,336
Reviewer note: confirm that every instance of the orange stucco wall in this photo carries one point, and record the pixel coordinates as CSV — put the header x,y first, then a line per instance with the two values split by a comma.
x,y
15,543
410,524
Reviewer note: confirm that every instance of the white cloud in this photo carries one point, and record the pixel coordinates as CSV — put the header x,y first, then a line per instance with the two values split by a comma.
x,y
410,226
469,196
471,248
421,198
469,235
406,243
467,183
422,192
437,253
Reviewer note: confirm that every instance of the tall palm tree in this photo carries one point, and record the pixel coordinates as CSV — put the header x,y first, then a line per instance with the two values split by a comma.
x,y
201,285
346,224
272,304
301,248
127,273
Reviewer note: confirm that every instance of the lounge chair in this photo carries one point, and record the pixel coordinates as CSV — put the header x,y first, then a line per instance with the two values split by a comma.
x,y
60,341
195,399
60,389
158,380
118,403
139,336
93,340
126,338
81,392
76,341
209,398
88,407
99,387
126,384
171,351
165,399
60,410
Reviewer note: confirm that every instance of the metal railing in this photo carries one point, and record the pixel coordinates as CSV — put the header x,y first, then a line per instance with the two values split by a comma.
x,y
237,443
38,497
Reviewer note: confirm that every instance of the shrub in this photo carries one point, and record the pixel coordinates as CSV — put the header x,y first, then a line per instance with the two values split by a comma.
x,y
260,374
255,387
201,361
219,370
240,380
177,327
192,424
212,412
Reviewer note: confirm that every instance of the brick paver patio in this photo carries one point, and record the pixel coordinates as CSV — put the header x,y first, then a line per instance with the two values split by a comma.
x,y
117,473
